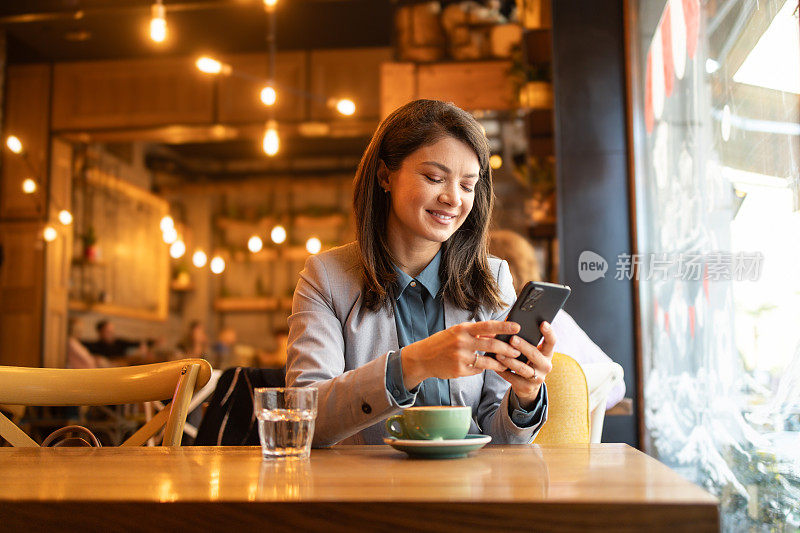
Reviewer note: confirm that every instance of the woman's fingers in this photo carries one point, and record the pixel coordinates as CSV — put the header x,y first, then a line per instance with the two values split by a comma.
x,y
549,339
490,328
521,369
485,344
487,363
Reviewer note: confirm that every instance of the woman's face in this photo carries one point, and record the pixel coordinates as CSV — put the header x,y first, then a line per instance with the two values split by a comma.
x,y
432,192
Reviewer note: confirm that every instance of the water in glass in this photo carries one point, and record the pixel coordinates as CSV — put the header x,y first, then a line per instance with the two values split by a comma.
x,y
285,432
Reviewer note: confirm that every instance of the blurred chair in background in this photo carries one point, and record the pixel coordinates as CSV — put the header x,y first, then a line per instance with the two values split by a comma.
x,y
568,419
106,386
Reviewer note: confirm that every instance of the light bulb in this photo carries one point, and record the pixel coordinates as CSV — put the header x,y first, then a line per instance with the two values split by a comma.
x,y
49,234
170,235
65,217
209,65
254,244
268,96
346,107
167,223
313,245
199,258
217,265
270,4
271,143
28,186
278,234
177,249
158,23
495,162
14,144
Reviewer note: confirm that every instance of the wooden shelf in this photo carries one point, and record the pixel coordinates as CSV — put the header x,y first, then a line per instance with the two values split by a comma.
x,y
252,304
623,408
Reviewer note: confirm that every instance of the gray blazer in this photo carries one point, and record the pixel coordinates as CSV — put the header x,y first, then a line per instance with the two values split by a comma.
x,y
340,347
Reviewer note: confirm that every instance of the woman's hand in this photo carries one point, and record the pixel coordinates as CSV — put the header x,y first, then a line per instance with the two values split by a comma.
x,y
527,378
451,353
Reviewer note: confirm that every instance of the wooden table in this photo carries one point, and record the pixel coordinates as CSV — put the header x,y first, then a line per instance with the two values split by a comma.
x,y
609,487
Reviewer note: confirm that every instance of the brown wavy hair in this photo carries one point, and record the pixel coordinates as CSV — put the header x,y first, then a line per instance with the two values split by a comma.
x,y
467,281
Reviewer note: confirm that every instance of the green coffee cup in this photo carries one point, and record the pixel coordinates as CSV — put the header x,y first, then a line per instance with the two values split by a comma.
x,y
430,423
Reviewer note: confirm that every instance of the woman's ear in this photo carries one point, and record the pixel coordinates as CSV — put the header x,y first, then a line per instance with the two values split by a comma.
x,y
383,175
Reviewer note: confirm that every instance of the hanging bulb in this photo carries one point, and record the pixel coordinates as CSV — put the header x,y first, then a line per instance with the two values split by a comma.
x,y
199,258
346,107
49,234
271,143
254,244
14,144
170,235
158,23
209,65
167,223
278,234
313,245
268,95
217,265
177,249
495,162
269,5
65,217
29,186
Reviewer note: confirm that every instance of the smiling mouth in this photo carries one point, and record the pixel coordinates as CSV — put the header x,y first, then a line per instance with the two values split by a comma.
x,y
441,216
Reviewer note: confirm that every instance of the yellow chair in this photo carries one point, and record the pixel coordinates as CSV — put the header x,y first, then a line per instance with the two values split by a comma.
x,y
568,404
106,386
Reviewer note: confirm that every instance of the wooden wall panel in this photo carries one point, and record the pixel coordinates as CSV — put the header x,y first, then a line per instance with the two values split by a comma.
x,y
353,74
398,86
239,97
471,86
26,116
474,85
131,93
21,293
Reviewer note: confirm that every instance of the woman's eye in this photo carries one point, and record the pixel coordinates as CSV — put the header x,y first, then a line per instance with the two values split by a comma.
x,y
467,188
433,179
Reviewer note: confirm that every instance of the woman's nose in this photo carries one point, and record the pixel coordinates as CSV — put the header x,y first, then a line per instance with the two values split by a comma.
x,y
450,196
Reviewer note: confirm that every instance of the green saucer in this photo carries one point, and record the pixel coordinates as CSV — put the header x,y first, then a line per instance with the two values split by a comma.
x,y
439,449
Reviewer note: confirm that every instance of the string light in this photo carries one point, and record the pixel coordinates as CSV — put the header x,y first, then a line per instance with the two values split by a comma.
x,y
278,234
167,223
177,249
495,162
158,23
254,244
14,144
49,234
217,265
271,143
268,96
209,65
65,217
29,186
170,235
346,107
313,245
199,258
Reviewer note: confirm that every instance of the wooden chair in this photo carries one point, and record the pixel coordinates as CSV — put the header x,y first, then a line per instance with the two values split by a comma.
x,y
106,386
568,410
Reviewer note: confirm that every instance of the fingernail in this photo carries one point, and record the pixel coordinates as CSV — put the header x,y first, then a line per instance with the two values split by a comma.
x,y
546,326
514,340
517,353
500,357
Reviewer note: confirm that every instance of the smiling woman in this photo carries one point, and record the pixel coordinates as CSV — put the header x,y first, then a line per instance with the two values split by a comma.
x,y
401,317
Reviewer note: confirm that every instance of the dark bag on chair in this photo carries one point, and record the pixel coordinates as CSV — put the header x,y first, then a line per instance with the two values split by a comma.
x,y
229,419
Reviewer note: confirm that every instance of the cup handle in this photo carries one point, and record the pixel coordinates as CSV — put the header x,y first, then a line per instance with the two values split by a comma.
x,y
392,424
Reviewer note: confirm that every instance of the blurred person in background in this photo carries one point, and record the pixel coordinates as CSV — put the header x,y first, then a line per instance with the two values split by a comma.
x,y
78,356
603,375
109,345
195,342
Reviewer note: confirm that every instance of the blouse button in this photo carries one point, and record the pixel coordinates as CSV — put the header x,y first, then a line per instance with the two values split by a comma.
x,y
413,284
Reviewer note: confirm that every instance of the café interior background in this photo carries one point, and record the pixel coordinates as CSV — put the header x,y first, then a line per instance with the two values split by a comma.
x,y
677,135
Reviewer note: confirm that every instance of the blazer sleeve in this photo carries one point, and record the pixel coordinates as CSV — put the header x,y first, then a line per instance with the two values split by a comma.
x,y
350,401
493,413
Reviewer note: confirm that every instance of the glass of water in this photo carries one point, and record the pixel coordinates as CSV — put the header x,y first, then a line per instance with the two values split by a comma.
x,y
285,420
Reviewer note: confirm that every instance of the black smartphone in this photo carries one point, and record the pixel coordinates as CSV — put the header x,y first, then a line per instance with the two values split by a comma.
x,y
538,302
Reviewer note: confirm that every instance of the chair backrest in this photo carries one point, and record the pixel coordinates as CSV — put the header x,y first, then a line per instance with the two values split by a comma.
x,y
568,404
107,386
